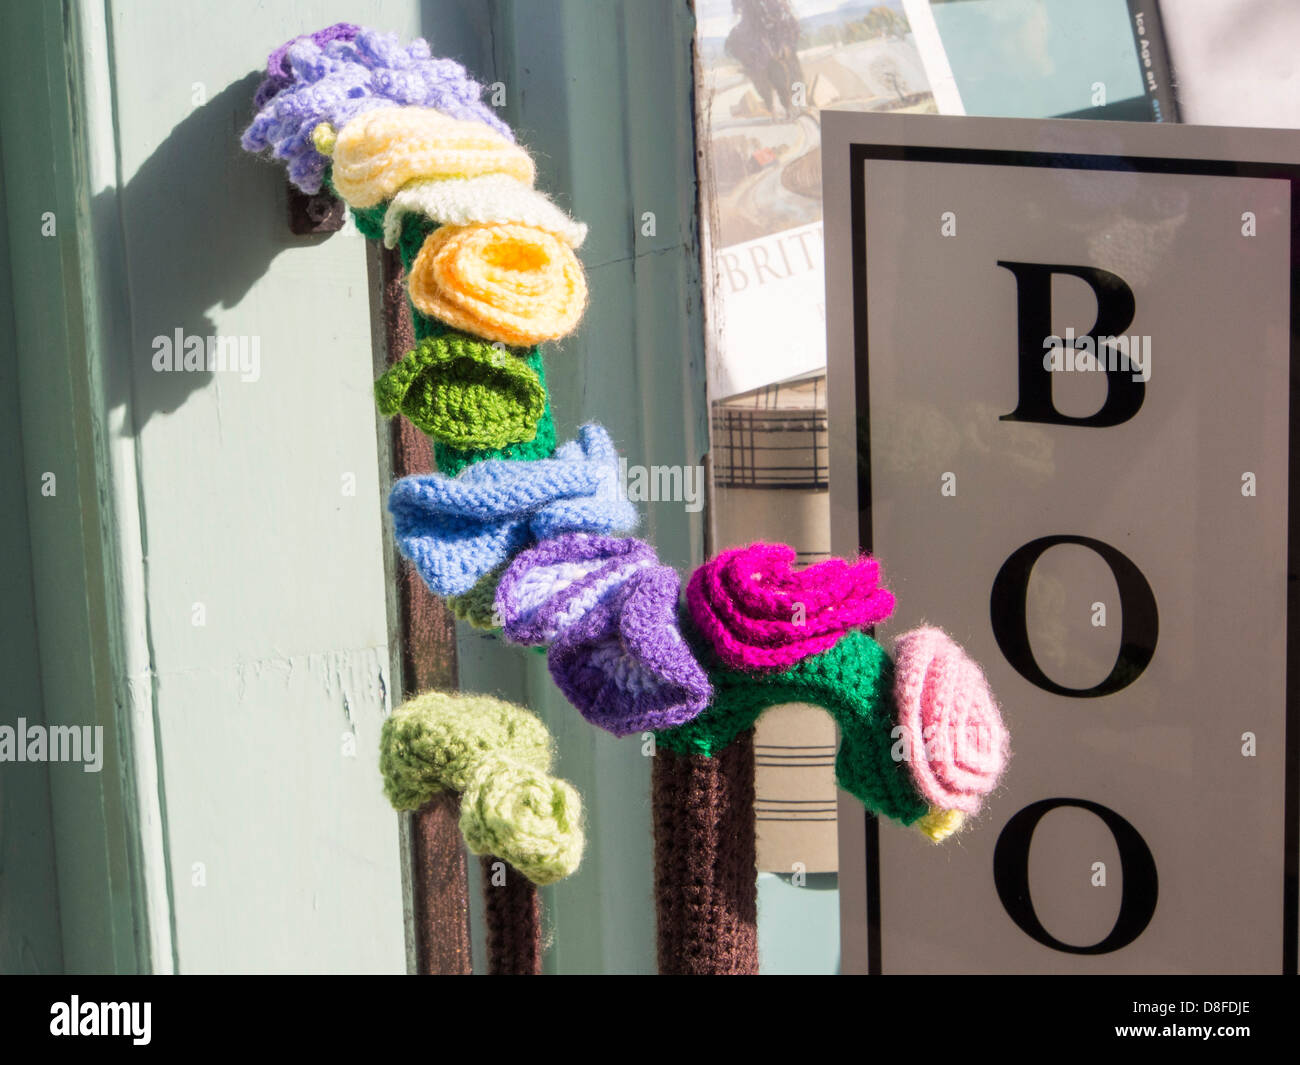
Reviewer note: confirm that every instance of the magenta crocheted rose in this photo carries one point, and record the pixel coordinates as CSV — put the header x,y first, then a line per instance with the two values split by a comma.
x,y
759,614
953,738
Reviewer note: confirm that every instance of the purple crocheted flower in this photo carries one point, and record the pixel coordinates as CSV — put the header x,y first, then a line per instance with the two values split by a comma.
x,y
625,665
341,78
550,586
278,75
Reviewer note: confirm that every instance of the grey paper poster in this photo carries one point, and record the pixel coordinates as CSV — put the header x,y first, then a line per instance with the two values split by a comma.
x,y
1109,537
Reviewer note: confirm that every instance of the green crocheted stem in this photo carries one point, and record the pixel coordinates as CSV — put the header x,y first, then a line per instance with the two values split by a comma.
x,y
435,742
465,392
853,682
452,458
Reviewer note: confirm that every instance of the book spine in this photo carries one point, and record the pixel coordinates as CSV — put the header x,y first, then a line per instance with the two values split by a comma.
x,y
1153,58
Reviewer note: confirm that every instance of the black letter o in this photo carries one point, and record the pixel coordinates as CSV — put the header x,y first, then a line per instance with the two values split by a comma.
x,y
1139,625
1011,876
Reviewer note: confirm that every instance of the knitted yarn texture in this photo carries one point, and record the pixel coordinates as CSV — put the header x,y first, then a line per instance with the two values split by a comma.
x,y
456,529
464,392
497,756
625,664
507,282
379,151
493,199
338,79
608,609
759,614
853,682
706,908
527,817
451,459
954,742
548,587
433,742
477,607
278,75
938,824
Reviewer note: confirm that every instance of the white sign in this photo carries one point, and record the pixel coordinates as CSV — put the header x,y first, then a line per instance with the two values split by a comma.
x,y
1060,359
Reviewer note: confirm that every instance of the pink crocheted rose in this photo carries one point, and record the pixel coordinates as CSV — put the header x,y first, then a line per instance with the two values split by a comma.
x,y
954,741
759,614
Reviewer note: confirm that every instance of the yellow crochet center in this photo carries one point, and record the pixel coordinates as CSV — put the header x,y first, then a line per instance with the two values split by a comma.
x,y
512,283
324,137
380,151
938,824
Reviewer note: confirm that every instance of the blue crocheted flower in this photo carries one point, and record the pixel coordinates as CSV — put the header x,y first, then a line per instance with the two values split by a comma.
x,y
339,79
457,529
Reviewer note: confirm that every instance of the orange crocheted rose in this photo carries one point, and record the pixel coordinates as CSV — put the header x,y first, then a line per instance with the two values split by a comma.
x,y
511,283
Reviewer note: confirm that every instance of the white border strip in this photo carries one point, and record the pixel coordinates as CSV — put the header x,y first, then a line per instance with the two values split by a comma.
x,y
925,31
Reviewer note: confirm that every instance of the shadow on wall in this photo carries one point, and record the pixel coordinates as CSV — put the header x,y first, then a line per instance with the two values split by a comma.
x,y
201,221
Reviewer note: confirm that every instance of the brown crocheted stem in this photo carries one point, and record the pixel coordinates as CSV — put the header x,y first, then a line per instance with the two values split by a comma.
x,y
440,900
512,914
439,870
428,627
706,897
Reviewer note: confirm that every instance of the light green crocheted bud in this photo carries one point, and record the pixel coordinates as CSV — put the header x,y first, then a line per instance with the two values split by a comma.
x,y
435,741
520,814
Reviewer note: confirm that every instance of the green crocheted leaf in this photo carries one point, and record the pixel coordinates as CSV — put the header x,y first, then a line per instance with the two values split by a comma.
x,y
435,742
451,459
853,682
465,392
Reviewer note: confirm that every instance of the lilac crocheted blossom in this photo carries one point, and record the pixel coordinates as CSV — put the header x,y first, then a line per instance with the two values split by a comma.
x,y
336,81
625,664
548,587
278,75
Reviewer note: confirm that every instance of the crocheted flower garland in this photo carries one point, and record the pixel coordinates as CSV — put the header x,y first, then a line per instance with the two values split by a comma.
x,y
515,532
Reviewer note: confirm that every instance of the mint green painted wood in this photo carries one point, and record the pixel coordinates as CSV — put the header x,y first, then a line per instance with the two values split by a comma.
x,y
29,912
91,818
265,594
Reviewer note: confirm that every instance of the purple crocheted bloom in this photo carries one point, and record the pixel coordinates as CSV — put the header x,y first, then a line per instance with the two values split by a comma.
x,y
550,586
625,665
340,79
277,70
